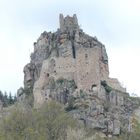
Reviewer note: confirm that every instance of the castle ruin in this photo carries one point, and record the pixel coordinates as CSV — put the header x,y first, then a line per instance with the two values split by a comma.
x,y
71,54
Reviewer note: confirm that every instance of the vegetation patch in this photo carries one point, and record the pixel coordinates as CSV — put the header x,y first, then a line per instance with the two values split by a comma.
x,y
106,86
29,97
60,81
82,94
71,104
7,100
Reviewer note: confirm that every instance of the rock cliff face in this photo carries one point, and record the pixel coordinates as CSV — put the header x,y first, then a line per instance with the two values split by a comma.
x,y
72,67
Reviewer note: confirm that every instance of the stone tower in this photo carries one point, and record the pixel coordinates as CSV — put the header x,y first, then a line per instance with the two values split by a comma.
x,y
68,22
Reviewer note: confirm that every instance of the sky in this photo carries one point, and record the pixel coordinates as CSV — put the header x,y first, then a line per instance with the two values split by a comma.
x,y
116,23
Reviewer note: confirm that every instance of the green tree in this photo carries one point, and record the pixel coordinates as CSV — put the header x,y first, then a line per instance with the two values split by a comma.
x,y
54,121
5,99
15,98
10,99
1,96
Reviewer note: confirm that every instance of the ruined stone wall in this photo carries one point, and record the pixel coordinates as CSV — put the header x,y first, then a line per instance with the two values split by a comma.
x,y
87,67
114,83
90,68
66,67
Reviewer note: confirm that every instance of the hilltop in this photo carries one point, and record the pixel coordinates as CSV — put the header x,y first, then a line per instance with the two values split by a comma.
x,y
71,67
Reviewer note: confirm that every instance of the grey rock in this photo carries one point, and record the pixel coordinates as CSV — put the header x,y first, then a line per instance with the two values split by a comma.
x,y
116,127
30,74
20,94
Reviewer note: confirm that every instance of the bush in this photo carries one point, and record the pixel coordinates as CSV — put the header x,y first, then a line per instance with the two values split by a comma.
x,y
71,103
49,122
106,86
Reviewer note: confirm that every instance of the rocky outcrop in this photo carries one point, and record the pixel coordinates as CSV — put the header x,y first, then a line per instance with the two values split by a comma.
x,y
71,67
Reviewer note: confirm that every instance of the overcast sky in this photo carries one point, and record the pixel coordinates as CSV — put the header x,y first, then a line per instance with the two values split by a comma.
x,y
116,23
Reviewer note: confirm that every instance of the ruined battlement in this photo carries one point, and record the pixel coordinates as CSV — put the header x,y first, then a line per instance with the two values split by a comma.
x,y
68,23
